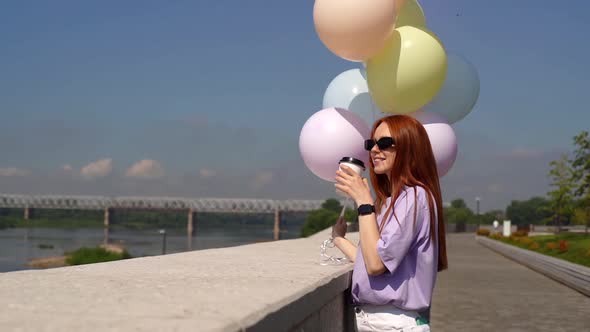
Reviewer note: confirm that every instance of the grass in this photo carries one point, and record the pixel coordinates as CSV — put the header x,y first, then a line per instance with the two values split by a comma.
x,y
572,247
93,255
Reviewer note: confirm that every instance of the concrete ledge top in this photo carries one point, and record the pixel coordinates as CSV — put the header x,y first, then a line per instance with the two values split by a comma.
x,y
224,289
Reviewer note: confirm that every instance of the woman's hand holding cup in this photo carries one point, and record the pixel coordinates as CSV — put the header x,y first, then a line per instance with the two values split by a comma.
x,y
351,183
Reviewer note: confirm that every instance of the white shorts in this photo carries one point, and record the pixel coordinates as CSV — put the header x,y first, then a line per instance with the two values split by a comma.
x,y
387,318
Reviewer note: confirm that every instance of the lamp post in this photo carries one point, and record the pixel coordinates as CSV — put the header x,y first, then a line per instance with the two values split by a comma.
x,y
477,199
163,232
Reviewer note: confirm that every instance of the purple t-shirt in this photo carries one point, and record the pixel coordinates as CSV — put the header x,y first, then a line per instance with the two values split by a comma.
x,y
408,253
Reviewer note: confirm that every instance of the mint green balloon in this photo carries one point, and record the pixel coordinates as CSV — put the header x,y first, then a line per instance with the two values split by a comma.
x,y
460,90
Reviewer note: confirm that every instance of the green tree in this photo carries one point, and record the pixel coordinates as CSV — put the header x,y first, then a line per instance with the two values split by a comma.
x,y
490,216
579,216
332,205
533,211
458,203
325,217
318,220
561,197
581,166
459,215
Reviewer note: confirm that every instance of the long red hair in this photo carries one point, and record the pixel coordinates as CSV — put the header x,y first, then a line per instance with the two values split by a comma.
x,y
414,165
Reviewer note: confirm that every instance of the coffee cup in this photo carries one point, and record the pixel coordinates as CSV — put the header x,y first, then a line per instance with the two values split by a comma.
x,y
357,165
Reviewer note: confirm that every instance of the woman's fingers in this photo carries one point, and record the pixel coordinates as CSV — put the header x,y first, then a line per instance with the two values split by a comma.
x,y
348,170
366,182
343,174
341,179
342,188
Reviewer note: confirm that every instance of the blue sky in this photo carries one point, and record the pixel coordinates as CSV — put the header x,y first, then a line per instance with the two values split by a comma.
x,y
212,96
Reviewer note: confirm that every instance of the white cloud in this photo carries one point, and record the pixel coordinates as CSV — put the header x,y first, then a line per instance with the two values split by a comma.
x,y
146,169
97,169
12,171
207,173
67,168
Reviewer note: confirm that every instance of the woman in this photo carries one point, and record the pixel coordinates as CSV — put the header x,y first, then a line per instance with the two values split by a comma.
x,y
402,235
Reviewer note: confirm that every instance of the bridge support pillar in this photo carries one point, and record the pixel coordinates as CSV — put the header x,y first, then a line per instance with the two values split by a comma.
x,y
106,217
27,213
189,225
277,226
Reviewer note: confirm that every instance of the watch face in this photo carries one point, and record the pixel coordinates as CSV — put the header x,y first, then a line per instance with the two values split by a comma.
x,y
366,209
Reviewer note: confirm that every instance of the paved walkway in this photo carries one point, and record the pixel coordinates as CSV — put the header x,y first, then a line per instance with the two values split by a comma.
x,y
484,291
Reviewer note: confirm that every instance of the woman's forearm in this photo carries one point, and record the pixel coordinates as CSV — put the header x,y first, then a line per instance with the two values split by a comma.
x,y
347,248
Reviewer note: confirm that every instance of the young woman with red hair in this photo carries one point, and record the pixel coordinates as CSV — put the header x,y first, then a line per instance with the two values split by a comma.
x,y
402,235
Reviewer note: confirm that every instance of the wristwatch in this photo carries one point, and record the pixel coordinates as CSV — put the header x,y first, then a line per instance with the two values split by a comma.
x,y
365,209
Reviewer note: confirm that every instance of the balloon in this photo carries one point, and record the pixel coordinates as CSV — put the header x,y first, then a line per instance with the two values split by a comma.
x,y
329,135
399,4
349,91
410,14
408,72
442,139
354,29
459,92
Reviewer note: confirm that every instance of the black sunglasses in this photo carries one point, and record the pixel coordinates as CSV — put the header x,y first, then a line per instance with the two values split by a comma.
x,y
383,143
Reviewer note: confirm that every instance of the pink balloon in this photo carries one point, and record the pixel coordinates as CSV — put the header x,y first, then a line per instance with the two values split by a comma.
x,y
329,135
442,138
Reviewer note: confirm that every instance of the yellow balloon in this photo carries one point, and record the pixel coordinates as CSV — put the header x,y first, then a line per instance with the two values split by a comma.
x,y
411,14
408,72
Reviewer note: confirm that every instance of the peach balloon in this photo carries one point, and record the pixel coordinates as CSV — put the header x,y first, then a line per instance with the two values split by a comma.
x,y
354,30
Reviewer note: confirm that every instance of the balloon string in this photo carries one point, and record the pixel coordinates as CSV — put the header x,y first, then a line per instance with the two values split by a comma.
x,y
346,202
326,259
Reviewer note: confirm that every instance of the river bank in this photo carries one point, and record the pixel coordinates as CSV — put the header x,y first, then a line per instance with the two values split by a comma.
x,y
19,245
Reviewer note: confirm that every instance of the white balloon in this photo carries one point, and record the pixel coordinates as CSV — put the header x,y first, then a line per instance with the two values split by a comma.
x,y
460,91
349,90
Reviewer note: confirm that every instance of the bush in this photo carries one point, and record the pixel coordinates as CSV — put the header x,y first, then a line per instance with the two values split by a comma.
x,y
534,246
496,236
483,232
325,217
8,222
520,233
551,245
318,220
563,246
94,255
526,240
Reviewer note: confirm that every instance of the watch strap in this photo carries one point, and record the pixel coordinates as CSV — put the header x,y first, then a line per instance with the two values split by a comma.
x,y
365,209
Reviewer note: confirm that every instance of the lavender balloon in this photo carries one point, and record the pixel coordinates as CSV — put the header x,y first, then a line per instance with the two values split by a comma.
x,y
329,135
442,138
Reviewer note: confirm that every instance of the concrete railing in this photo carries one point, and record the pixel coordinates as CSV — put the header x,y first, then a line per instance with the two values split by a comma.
x,y
573,275
271,286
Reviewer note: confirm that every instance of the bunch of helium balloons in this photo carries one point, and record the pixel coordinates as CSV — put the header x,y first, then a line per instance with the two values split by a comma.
x,y
405,70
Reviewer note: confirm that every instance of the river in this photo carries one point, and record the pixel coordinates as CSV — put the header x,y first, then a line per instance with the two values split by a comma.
x,y
19,245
